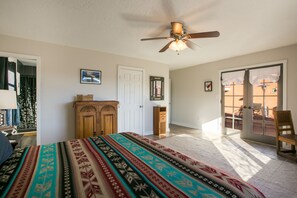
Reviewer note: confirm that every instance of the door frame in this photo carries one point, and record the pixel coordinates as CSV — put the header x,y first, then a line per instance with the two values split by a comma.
x,y
38,87
143,90
284,99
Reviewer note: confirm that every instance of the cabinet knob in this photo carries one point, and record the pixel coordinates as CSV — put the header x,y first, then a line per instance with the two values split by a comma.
x,y
140,106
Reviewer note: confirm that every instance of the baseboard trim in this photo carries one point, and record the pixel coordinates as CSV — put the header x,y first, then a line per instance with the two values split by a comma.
x,y
152,133
148,133
185,125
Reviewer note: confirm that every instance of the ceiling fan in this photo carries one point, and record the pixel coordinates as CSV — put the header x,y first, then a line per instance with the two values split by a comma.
x,y
180,38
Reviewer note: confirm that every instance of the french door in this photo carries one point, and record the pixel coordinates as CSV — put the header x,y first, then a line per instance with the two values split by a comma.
x,y
130,96
249,97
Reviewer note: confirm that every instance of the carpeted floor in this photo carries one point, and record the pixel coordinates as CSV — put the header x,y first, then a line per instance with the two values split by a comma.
x,y
253,162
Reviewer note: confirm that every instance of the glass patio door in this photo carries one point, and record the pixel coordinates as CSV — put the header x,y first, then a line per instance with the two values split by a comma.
x,y
232,100
248,105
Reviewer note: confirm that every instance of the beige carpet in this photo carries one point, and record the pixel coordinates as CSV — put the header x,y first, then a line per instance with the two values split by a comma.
x,y
255,163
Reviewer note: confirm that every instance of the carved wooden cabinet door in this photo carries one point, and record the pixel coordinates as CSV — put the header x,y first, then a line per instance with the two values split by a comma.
x,y
108,120
87,119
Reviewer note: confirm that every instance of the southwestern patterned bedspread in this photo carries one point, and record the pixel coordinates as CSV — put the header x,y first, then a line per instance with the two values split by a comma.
x,y
118,165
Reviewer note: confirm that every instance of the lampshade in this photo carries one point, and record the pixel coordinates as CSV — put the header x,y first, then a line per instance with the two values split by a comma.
x,y
178,45
8,99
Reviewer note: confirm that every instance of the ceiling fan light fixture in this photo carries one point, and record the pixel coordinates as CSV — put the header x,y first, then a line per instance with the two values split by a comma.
x,y
178,45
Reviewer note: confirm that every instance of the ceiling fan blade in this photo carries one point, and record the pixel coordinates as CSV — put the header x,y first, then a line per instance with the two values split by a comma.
x,y
166,47
190,44
155,38
203,34
194,45
159,31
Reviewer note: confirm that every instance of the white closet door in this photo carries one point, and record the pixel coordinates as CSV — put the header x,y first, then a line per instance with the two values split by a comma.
x,y
130,96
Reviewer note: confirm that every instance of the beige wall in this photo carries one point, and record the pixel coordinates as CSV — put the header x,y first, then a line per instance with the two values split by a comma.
x,y
59,77
193,107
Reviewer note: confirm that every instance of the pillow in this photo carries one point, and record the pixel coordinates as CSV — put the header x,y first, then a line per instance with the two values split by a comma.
x,y
5,148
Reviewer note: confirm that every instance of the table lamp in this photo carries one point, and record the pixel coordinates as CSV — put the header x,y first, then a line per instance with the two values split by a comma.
x,y
7,101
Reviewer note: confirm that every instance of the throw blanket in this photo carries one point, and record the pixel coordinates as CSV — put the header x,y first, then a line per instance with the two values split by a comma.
x,y
117,165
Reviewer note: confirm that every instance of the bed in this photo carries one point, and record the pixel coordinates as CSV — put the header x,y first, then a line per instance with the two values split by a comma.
x,y
117,165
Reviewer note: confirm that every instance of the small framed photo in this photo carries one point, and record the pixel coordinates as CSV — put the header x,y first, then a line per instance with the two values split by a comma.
x,y
208,86
90,76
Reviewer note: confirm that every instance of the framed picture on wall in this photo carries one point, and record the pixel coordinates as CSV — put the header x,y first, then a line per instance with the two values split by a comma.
x,y
90,76
208,86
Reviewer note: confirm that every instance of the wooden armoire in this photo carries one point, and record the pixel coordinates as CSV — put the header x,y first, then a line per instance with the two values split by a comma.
x,y
93,118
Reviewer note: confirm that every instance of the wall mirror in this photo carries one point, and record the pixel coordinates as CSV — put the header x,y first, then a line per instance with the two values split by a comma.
x,y
156,88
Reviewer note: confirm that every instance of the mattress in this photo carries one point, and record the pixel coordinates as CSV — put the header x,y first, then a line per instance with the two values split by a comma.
x,y
116,165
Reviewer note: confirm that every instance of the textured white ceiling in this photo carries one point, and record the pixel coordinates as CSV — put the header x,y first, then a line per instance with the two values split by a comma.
x,y
116,26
